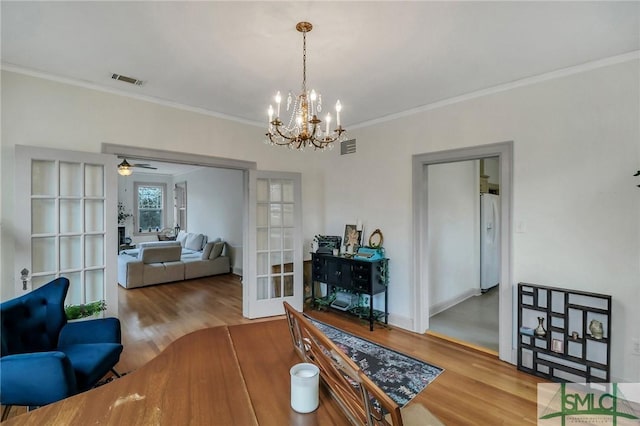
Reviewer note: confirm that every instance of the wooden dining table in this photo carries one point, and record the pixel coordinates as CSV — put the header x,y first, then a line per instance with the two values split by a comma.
x,y
226,375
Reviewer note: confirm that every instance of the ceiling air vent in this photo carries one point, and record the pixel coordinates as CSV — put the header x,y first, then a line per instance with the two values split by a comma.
x,y
126,79
348,147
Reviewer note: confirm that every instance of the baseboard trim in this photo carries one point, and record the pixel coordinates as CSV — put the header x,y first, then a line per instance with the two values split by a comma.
x,y
462,343
401,321
446,304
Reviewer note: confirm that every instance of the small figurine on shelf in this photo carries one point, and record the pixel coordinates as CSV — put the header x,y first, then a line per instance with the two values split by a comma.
x,y
540,331
595,327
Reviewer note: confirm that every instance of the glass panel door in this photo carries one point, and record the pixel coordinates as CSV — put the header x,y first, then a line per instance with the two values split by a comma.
x,y
68,202
274,244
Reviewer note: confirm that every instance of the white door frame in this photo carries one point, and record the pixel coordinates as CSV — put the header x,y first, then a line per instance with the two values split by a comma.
x,y
420,276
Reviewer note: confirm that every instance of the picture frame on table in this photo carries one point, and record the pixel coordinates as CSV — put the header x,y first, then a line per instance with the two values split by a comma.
x,y
352,237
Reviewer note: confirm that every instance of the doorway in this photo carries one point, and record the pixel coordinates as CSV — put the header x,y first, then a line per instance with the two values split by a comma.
x,y
464,246
422,274
283,226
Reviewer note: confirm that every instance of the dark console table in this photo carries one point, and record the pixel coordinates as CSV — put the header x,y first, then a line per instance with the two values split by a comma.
x,y
352,275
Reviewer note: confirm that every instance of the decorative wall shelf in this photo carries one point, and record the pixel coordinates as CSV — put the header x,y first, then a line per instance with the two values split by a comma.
x,y
558,355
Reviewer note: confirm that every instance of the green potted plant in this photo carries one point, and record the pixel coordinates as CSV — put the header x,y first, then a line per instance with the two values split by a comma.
x,y
75,312
122,214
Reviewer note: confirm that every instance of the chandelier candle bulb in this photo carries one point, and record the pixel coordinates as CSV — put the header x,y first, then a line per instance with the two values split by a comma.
x,y
328,119
278,99
313,97
338,109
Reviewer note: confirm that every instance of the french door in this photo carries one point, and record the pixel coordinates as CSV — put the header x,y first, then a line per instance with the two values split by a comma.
x,y
273,242
66,223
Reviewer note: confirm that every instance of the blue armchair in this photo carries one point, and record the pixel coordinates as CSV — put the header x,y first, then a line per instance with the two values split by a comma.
x,y
43,358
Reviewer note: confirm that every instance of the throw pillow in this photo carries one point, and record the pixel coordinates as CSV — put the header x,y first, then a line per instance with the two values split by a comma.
x,y
217,250
206,252
193,242
181,238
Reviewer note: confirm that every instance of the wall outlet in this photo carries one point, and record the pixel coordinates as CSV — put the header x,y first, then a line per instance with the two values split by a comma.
x,y
635,346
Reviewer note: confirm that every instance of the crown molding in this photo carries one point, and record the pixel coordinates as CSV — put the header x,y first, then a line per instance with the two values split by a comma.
x,y
626,57
151,99
634,55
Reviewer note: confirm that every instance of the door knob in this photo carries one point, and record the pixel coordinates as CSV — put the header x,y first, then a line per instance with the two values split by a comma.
x,y
24,276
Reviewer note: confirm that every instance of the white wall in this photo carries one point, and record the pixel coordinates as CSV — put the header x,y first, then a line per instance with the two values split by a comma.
x,y
215,207
454,233
576,145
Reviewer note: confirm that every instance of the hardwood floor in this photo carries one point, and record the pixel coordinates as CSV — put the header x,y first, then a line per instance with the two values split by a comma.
x,y
154,316
475,389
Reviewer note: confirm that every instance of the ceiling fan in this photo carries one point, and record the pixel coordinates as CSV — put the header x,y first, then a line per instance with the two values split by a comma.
x,y
125,168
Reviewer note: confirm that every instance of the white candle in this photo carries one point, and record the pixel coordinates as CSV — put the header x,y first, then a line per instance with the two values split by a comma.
x,y
338,109
305,373
305,382
278,99
313,98
328,120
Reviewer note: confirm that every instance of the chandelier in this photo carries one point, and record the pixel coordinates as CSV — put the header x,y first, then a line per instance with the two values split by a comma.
x,y
303,129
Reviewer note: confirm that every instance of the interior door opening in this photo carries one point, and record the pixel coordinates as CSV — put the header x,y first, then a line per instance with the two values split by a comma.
x,y
182,163
253,233
464,251
427,266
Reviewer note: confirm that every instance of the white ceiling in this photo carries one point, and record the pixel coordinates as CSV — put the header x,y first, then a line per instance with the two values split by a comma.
x,y
380,58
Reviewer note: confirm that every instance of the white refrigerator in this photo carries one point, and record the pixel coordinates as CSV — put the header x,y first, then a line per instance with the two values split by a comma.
x,y
489,241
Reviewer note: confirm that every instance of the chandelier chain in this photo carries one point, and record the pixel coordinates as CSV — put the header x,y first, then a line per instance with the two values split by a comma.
x,y
304,62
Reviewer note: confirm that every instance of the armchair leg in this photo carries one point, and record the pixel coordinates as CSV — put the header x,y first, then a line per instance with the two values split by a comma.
x,y
5,412
113,370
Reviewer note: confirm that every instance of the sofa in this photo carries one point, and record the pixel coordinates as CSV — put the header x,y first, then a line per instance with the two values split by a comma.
x,y
190,256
